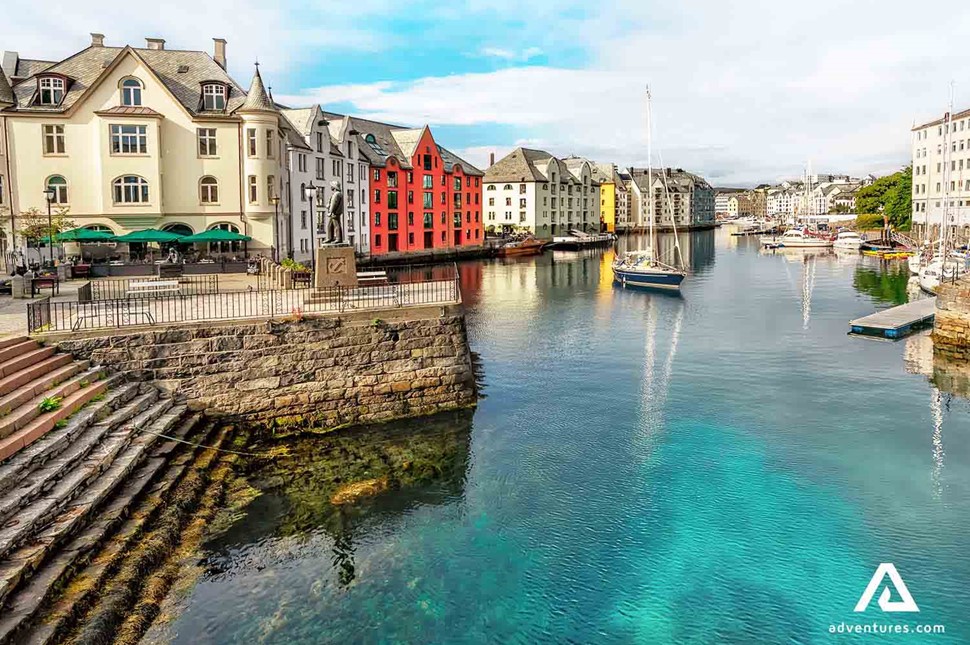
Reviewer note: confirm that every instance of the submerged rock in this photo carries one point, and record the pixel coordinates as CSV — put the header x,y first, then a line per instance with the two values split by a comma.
x,y
350,493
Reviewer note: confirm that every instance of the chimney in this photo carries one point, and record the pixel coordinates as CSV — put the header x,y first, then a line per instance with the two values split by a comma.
x,y
97,40
219,55
155,43
491,159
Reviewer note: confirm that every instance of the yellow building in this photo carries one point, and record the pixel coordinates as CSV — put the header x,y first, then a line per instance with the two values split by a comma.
x,y
607,201
128,139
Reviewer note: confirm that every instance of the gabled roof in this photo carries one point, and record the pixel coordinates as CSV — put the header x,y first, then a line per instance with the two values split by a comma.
x,y
182,73
518,165
301,118
6,92
408,140
294,137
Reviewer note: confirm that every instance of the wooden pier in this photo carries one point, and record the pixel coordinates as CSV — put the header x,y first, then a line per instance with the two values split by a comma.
x,y
896,322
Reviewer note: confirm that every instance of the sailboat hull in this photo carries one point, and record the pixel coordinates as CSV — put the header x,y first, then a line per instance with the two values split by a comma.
x,y
650,279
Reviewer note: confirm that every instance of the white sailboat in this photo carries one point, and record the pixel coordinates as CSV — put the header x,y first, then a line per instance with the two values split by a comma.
x,y
643,268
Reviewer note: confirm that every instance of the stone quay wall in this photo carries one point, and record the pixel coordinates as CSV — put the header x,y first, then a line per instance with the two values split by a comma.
x,y
320,371
951,327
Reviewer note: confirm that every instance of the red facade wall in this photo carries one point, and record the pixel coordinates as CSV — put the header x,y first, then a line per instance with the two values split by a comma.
x,y
407,226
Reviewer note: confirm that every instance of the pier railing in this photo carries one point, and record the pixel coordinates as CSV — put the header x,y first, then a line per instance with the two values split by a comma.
x,y
118,289
136,311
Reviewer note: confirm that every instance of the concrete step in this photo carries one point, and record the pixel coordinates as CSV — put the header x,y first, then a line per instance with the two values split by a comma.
x,y
12,340
48,421
28,374
17,349
33,534
15,469
39,385
124,521
29,409
26,359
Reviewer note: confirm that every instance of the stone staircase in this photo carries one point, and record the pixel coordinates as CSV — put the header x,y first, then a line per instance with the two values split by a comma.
x,y
81,481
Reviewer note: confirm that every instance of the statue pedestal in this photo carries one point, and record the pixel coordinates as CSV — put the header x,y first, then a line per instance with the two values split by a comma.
x,y
336,266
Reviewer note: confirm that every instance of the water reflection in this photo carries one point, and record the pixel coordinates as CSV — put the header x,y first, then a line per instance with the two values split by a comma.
x,y
697,247
887,284
336,488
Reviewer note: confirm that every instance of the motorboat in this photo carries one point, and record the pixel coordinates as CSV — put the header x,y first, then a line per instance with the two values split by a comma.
x,y
525,246
848,240
796,238
579,240
938,271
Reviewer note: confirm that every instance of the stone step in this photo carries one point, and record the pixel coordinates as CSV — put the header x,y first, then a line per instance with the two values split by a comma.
x,y
27,359
42,479
52,444
29,409
39,385
28,374
48,421
136,503
89,574
41,512
17,349
12,340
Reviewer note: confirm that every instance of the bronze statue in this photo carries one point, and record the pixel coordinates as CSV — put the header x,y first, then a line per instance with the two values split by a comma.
x,y
335,211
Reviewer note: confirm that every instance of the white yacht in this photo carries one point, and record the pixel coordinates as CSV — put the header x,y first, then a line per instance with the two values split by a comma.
x,y
796,238
848,240
931,275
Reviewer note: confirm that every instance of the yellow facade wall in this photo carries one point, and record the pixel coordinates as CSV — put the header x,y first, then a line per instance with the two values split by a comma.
x,y
608,205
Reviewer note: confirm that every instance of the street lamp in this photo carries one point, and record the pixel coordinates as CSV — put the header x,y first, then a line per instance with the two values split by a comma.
x,y
311,195
49,195
276,225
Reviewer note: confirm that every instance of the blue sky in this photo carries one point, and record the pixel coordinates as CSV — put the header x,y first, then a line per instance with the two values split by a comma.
x,y
744,91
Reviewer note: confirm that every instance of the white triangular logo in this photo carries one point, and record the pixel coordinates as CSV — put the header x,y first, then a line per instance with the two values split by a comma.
x,y
906,604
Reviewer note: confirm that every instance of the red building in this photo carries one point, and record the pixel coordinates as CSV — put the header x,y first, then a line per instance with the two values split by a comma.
x,y
421,195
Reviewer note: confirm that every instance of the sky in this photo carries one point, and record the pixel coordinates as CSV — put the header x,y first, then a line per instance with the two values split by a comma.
x,y
744,91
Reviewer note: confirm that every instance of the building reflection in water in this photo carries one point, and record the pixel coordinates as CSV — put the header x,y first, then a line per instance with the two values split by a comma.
x,y
342,488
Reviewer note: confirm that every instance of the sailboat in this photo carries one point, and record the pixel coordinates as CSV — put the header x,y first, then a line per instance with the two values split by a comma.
x,y
643,268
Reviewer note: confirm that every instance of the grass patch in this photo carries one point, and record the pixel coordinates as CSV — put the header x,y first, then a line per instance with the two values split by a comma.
x,y
50,403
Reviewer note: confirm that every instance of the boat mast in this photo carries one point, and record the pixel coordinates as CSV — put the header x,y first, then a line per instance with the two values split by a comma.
x,y
947,138
650,212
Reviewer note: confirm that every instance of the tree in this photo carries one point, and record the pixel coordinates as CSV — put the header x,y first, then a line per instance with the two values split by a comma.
x,y
891,195
33,226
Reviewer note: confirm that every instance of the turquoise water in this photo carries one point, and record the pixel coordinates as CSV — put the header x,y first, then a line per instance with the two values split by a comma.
x,y
722,467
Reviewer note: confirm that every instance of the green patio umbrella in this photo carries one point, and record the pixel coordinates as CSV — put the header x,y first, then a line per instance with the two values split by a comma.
x,y
150,235
216,235
83,235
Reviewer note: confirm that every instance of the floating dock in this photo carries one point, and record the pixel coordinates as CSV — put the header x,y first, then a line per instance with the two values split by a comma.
x,y
896,322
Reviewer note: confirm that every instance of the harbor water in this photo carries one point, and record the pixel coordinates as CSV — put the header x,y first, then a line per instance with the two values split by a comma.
x,y
723,466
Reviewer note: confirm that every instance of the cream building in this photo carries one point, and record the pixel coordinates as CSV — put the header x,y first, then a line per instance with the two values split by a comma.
x,y
681,199
131,138
941,160
533,190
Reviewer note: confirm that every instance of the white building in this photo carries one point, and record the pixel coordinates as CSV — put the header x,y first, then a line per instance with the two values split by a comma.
x,y
941,159
532,190
681,199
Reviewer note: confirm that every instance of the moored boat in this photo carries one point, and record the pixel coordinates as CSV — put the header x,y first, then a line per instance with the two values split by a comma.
x,y
525,246
579,240
797,238
848,240
639,269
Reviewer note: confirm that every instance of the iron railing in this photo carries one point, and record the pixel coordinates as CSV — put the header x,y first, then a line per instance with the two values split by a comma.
x,y
148,287
235,305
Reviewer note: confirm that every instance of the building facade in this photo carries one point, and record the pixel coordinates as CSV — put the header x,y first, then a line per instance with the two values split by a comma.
x,y
681,200
533,191
130,138
941,172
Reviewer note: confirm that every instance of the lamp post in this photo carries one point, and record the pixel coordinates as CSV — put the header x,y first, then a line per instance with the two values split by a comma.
x,y
311,195
276,226
49,195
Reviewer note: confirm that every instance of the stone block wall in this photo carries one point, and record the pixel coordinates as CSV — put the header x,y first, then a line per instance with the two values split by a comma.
x,y
951,328
323,371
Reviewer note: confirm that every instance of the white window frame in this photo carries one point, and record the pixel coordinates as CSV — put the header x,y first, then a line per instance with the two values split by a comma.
x,y
214,97
130,190
269,144
253,186
54,143
53,88
208,146
61,192
128,139
209,190
131,95
251,145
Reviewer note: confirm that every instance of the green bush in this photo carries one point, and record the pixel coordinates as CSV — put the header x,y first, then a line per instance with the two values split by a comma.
x,y
293,265
867,221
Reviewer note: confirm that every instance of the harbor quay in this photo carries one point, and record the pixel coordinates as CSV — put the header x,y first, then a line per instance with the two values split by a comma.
x,y
951,328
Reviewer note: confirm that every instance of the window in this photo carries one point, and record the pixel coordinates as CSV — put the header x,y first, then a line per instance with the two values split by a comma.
x,y
321,167
303,219
377,219
392,221
54,140
270,188
336,168
251,141
491,201
427,162
301,162
129,139
319,142
444,199
269,144
410,177
392,199
410,239
253,191
410,219
350,198
131,92
302,192
377,240
130,189
392,180
428,220
429,200
350,173
410,196
428,181
58,184
377,171
51,90
209,190
457,183
522,189
490,187
207,142
377,196
214,97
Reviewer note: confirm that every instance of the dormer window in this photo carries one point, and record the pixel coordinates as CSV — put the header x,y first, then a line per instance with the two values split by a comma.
x,y
131,92
214,97
51,90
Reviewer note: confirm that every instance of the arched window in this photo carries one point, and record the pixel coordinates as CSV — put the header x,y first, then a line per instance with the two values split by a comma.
x,y
99,227
225,226
225,247
131,92
507,187
209,190
50,90
178,229
490,187
130,189
302,192
58,185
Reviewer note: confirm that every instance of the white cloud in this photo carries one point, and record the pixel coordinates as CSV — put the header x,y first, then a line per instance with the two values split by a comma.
x,y
511,55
